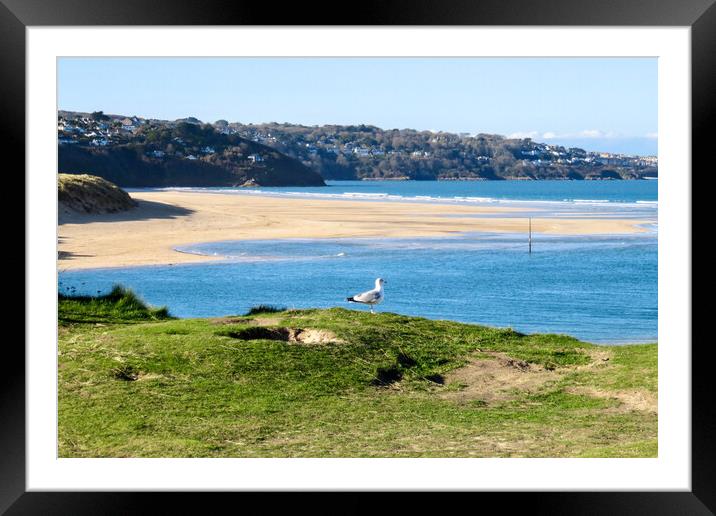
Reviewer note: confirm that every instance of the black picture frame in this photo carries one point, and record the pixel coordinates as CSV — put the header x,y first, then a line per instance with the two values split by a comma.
x,y
700,15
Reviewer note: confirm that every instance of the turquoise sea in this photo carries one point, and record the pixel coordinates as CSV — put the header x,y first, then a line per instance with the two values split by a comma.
x,y
602,289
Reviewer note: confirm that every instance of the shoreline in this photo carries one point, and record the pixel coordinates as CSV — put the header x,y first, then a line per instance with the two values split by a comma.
x,y
148,234
476,201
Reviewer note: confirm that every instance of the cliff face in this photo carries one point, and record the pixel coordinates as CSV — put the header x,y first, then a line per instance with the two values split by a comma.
x,y
129,166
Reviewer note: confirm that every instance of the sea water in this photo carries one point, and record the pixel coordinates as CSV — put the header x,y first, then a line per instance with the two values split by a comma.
x,y
601,289
467,191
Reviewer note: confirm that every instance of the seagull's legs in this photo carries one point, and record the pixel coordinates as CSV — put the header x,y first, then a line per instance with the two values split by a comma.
x,y
371,309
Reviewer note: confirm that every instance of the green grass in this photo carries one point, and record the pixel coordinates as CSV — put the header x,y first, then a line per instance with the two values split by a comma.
x,y
134,382
119,306
265,309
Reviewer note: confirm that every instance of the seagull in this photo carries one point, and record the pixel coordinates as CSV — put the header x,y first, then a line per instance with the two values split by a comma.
x,y
371,297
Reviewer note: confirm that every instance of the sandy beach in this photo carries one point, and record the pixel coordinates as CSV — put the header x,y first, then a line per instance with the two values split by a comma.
x,y
148,234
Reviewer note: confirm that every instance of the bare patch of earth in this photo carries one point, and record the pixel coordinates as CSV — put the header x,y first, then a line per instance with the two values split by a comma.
x,y
494,377
293,335
311,336
629,399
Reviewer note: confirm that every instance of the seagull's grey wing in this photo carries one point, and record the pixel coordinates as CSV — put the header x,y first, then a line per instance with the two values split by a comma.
x,y
368,297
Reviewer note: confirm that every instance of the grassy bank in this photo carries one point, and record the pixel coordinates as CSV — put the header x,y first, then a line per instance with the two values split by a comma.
x,y
134,382
84,193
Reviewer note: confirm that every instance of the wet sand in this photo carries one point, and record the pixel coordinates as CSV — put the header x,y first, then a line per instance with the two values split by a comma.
x,y
148,234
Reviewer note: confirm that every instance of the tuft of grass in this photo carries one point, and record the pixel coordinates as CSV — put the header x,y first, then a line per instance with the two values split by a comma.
x,y
121,305
125,372
265,309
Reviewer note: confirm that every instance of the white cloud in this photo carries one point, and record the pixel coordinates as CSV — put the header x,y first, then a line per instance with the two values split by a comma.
x,y
529,134
652,136
585,133
535,135
591,133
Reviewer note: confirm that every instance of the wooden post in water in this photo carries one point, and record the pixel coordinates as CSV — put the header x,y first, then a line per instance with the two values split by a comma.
x,y
530,236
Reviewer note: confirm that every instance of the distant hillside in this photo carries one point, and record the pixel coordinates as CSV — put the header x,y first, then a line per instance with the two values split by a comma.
x,y
84,193
140,152
129,166
369,152
132,152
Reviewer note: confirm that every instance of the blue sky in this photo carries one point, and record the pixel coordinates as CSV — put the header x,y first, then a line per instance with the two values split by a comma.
x,y
605,104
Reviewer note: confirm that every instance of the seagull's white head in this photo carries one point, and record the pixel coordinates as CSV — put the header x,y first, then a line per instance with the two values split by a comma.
x,y
379,282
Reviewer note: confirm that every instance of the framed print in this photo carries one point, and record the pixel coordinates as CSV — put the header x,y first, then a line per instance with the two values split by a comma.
x,y
271,254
